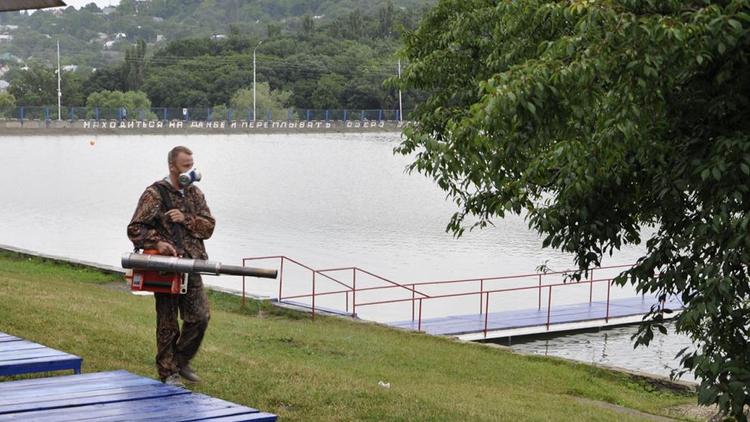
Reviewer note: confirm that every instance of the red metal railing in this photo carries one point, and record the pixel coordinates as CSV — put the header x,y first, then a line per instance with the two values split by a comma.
x,y
487,293
418,295
282,259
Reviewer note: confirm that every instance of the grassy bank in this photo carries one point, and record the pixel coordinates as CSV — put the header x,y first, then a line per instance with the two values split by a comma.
x,y
328,370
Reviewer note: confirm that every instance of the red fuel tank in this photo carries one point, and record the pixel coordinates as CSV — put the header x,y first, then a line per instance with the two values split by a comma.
x,y
156,281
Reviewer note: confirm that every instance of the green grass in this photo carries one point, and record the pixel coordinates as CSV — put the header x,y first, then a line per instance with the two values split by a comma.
x,y
282,362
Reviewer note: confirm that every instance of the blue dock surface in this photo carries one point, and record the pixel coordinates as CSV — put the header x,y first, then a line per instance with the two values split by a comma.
x,y
114,396
19,356
534,321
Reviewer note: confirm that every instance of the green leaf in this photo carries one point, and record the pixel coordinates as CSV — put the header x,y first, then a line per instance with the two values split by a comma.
x,y
735,24
531,107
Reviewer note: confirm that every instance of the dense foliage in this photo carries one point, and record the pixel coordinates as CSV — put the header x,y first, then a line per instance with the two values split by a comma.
x,y
7,104
327,55
596,119
36,85
127,102
318,71
84,32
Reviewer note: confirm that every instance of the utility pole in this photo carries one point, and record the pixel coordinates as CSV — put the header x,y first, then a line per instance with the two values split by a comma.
x,y
400,109
256,47
59,91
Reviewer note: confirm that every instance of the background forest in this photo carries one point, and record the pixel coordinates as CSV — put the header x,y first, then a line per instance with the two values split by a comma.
x,y
310,54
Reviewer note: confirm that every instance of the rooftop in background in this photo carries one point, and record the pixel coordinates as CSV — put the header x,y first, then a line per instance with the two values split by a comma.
x,y
11,5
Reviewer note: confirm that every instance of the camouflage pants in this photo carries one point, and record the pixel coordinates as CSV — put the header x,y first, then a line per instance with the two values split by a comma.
x,y
175,349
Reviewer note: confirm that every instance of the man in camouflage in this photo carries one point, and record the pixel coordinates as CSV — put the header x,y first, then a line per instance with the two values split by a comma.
x,y
175,220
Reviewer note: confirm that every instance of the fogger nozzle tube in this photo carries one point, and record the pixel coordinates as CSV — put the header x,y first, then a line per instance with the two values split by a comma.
x,y
187,265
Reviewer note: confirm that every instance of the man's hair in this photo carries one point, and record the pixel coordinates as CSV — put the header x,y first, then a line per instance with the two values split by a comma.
x,y
175,152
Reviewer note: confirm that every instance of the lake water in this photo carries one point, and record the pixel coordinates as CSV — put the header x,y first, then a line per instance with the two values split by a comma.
x,y
327,200
612,347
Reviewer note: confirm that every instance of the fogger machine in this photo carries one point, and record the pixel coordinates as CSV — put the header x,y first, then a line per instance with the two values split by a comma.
x,y
149,271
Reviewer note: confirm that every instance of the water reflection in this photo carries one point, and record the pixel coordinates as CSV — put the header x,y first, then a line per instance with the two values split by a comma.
x,y
612,347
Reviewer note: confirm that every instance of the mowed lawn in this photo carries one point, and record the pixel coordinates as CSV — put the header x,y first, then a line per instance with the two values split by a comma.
x,y
328,370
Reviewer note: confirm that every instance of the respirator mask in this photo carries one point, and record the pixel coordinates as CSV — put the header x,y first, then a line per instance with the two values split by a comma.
x,y
186,179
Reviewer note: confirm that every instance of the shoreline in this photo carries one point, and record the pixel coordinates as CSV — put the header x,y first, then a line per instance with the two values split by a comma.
x,y
179,127
262,356
653,379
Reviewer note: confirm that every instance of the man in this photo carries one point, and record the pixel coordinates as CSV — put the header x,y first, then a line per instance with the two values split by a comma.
x,y
174,219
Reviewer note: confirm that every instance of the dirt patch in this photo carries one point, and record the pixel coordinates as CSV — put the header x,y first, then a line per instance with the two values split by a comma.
x,y
703,413
624,410
694,411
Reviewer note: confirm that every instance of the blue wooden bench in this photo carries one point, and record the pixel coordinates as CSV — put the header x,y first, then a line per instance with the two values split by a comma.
x,y
110,396
19,356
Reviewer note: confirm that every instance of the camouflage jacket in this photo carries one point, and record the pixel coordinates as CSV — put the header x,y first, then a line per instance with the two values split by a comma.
x,y
150,223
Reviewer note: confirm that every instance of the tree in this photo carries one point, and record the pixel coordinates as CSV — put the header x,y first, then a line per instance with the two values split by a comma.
x,y
127,7
354,25
176,86
7,104
134,68
273,30
91,7
596,119
328,92
34,85
72,89
308,25
220,112
385,20
131,101
7,100
106,79
265,100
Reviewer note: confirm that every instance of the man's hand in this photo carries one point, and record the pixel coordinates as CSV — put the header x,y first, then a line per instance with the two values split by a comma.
x,y
176,216
165,248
